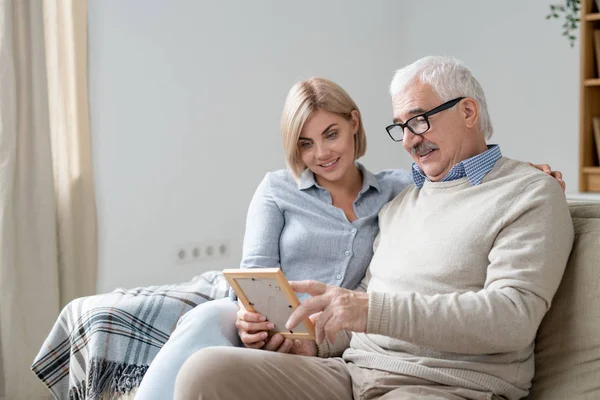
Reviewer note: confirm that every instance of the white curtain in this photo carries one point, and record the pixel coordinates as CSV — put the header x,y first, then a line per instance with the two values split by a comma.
x,y
47,209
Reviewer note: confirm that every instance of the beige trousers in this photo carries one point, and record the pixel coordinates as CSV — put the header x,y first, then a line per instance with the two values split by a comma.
x,y
231,373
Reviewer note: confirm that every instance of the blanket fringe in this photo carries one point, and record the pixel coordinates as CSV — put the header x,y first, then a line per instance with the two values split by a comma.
x,y
108,377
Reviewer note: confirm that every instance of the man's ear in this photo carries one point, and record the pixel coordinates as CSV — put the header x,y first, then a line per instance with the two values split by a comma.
x,y
469,110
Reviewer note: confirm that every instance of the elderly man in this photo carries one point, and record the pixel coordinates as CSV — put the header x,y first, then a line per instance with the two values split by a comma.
x,y
465,267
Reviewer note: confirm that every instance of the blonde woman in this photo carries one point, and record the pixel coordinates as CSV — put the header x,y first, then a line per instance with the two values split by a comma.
x,y
315,220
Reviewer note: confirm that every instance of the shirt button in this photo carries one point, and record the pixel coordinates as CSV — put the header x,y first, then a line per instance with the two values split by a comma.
x,y
353,230
338,277
347,253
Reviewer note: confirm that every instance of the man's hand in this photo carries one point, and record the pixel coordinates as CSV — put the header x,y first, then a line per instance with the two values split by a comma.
x,y
555,174
338,309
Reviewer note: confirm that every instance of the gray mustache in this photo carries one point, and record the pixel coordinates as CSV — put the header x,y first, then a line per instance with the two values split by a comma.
x,y
423,146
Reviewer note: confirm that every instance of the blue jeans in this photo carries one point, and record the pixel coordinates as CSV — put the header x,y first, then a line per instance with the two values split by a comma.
x,y
209,324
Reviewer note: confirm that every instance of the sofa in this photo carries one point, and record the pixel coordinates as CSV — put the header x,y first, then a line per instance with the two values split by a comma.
x,y
567,353
568,340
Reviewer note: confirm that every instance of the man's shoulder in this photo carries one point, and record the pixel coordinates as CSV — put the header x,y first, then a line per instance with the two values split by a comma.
x,y
517,172
520,180
409,191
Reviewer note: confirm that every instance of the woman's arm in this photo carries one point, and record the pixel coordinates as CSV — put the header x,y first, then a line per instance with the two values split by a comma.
x,y
264,224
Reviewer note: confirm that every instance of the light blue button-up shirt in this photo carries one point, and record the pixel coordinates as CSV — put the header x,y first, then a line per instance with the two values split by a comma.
x,y
293,225
474,168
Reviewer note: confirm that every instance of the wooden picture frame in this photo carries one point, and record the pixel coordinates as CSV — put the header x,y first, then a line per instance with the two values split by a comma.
x,y
267,291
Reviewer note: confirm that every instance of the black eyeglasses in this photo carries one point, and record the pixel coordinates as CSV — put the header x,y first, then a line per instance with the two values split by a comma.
x,y
419,124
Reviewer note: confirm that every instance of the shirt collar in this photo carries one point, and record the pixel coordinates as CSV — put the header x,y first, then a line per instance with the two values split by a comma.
x,y
474,168
307,179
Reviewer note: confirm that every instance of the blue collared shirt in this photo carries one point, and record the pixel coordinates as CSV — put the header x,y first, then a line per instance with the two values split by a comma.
x,y
294,225
474,168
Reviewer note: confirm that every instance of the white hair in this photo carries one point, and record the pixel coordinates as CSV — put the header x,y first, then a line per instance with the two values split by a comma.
x,y
449,79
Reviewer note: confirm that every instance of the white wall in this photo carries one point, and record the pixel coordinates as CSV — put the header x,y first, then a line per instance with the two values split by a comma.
x,y
186,98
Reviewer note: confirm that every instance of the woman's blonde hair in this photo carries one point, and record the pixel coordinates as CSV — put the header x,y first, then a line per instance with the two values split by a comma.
x,y
302,100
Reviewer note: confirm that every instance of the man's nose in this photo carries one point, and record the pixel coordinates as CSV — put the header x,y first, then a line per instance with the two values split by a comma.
x,y
410,139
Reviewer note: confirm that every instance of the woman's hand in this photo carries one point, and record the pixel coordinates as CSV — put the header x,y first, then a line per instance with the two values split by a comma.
x,y
555,174
252,328
293,346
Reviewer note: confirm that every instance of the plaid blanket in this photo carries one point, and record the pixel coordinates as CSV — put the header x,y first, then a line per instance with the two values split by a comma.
x,y
105,343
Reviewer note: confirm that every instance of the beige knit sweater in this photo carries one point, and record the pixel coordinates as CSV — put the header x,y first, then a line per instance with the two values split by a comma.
x,y
461,278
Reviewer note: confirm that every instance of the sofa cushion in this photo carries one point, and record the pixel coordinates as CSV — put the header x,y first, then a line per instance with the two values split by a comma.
x,y
584,210
568,341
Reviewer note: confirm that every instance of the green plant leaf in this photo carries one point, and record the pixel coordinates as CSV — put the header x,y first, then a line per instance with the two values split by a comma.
x,y
569,11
